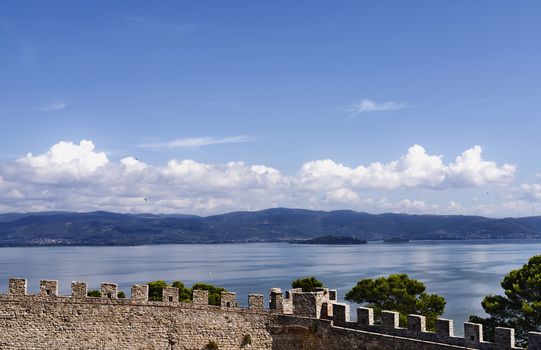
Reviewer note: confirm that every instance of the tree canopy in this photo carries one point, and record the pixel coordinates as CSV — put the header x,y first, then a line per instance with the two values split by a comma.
x,y
185,295
214,292
97,294
155,290
93,293
519,307
398,293
308,284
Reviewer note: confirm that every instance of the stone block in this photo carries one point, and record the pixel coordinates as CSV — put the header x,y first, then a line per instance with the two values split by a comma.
x,y
340,312
389,320
308,304
228,299
505,338
276,299
109,291
17,286
416,323
445,327
170,294
139,292
255,301
200,297
534,341
290,292
48,288
365,316
473,334
78,289
323,290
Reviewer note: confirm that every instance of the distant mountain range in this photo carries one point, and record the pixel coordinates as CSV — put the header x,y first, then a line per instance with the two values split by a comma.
x,y
271,225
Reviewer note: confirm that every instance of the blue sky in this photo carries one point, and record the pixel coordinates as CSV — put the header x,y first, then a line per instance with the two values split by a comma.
x,y
309,91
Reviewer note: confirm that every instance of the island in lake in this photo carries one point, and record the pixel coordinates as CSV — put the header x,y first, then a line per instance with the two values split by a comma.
x,y
331,240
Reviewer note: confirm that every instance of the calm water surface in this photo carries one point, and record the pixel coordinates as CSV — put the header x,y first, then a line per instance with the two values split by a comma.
x,y
463,272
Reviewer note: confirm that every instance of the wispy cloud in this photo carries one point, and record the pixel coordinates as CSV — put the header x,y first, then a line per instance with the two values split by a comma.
x,y
56,105
198,142
154,24
367,106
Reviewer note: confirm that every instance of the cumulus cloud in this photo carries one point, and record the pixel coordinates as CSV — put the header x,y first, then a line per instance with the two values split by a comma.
x,y
63,160
469,169
366,106
133,164
198,142
342,196
76,176
415,169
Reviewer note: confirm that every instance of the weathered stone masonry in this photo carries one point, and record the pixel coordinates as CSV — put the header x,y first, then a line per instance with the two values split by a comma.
x,y
296,321
47,321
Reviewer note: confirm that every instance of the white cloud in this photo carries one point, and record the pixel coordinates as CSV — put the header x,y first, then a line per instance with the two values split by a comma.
x,y
406,206
56,105
342,196
415,169
366,106
198,142
72,176
530,192
469,169
133,164
15,194
62,160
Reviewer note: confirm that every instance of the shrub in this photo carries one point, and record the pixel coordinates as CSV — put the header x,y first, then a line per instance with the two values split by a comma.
x,y
247,340
93,293
211,345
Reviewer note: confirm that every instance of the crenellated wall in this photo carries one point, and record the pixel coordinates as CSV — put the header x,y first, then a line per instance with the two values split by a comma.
x,y
48,321
299,320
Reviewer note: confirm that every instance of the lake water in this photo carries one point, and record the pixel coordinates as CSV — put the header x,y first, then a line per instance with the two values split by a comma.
x,y
462,271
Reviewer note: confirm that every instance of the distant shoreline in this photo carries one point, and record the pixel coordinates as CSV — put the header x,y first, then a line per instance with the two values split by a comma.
x,y
371,242
270,225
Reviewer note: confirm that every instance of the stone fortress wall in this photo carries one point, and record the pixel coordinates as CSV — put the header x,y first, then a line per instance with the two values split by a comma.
x,y
295,320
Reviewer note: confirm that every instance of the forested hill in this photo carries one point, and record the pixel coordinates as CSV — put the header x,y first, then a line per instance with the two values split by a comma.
x,y
103,228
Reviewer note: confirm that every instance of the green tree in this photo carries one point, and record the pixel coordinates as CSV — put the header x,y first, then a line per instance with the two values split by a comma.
x,y
520,307
398,293
97,293
155,290
308,284
184,294
93,293
214,292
